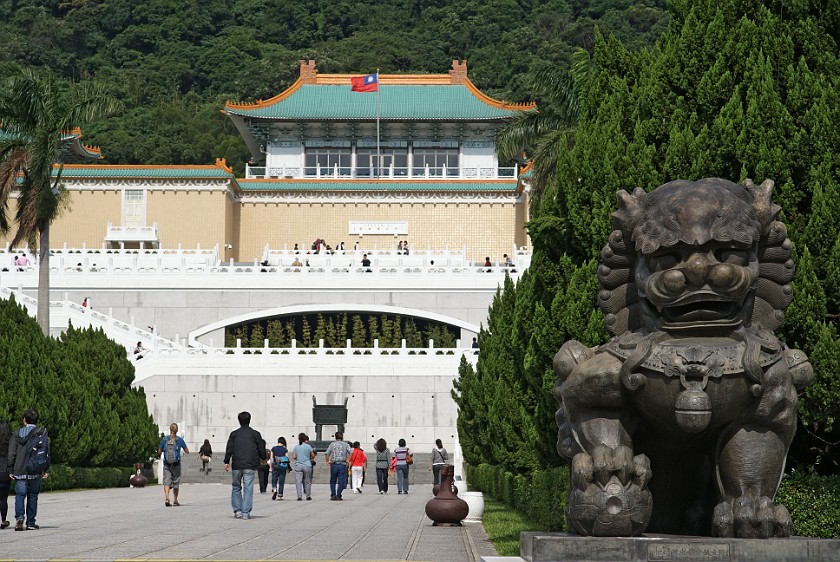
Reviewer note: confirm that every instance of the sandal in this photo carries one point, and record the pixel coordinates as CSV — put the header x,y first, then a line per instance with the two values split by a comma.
x,y
176,504
167,504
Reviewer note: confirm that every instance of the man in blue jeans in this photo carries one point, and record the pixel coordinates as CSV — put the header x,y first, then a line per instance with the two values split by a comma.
x,y
247,447
27,486
337,454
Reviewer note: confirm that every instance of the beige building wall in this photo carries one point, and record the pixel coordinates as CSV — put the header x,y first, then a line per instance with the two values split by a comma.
x,y
487,229
84,222
188,217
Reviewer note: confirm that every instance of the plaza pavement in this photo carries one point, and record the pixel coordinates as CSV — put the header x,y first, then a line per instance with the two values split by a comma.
x,y
130,523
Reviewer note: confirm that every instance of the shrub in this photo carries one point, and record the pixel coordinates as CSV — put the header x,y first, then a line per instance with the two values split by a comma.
x,y
63,477
813,500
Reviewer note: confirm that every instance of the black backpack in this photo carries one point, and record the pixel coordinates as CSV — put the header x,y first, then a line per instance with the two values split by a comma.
x,y
37,452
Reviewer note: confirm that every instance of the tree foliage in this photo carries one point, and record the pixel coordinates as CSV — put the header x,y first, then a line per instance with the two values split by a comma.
x,y
732,89
175,63
81,386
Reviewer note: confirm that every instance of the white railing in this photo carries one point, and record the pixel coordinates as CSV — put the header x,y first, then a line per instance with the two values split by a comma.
x,y
322,351
391,173
196,262
122,234
63,312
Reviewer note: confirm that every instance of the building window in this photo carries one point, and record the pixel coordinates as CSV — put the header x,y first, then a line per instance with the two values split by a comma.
x,y
436,160
328,162
134,208
394,162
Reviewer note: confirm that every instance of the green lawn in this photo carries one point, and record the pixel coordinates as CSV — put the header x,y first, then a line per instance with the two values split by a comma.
x,y
503,525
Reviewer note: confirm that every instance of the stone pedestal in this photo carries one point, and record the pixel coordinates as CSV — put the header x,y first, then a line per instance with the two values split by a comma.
x,y
555,547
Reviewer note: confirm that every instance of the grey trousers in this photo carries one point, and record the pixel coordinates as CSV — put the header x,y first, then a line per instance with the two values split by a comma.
x,y
303,480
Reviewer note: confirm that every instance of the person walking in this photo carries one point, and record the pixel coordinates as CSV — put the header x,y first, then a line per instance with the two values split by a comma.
x,y
279,467
358,466
27,486
246,447
337,453
171,448
5,477
264,471
404,459
304,456
439,458
383,464
205,453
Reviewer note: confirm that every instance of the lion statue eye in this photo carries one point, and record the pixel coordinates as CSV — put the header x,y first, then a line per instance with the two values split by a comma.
x,y
734,256
661,262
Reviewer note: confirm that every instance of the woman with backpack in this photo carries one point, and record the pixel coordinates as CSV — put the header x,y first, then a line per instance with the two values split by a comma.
x,y
170,449
279,467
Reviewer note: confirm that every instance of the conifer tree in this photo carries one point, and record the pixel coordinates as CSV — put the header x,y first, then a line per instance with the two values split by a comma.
x,y
257,337
305,333
320,329
731,90
373,330
274,333
359,338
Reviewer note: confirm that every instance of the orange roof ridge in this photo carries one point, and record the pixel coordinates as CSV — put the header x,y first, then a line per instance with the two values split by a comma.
x,y
524,106
271,101
222,163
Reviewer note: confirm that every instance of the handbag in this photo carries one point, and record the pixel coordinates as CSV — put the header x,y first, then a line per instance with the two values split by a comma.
x,y
409,459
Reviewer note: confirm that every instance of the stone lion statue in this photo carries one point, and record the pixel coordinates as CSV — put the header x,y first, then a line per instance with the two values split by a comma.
x,y
682,421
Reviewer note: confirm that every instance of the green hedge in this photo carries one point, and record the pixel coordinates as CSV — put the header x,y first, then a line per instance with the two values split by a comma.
x,y
541,495
64,477
813,501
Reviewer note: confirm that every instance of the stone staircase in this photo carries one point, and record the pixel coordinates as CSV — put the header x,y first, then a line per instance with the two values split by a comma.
x,y
191,473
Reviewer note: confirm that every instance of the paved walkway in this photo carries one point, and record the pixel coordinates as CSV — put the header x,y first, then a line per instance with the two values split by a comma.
x,y
133,523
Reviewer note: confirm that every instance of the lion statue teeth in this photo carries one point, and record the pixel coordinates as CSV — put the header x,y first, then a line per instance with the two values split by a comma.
x,y
682,421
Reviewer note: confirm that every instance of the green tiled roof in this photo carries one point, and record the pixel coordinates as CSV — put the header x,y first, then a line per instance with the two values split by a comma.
x,y
389,186
144,172
397,102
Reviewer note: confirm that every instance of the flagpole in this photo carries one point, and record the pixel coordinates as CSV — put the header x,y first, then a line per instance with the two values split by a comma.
x,y
378,151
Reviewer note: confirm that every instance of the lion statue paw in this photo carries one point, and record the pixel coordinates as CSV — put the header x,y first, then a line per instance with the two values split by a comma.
x,y
748,518
609,492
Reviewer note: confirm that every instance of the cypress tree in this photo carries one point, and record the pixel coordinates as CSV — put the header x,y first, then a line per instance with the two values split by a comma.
x,y
359,338
731,90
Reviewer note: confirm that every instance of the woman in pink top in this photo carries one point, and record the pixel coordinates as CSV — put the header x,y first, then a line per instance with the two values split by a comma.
x,y
358,465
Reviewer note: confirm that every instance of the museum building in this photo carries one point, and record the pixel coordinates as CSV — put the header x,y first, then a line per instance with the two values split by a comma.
x,y
412,161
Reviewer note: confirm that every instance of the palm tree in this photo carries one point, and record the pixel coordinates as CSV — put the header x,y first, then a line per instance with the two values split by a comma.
x,y
541,135
36,113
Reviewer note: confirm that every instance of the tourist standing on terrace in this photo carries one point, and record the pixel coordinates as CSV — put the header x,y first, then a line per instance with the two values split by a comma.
x,y
383,463
404,459
247,448
303,454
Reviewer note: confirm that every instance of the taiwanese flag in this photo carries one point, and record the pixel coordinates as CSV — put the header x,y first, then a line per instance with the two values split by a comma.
x,y
367,83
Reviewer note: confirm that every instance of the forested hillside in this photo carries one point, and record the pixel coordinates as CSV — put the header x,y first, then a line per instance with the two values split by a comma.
x,y
174,64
